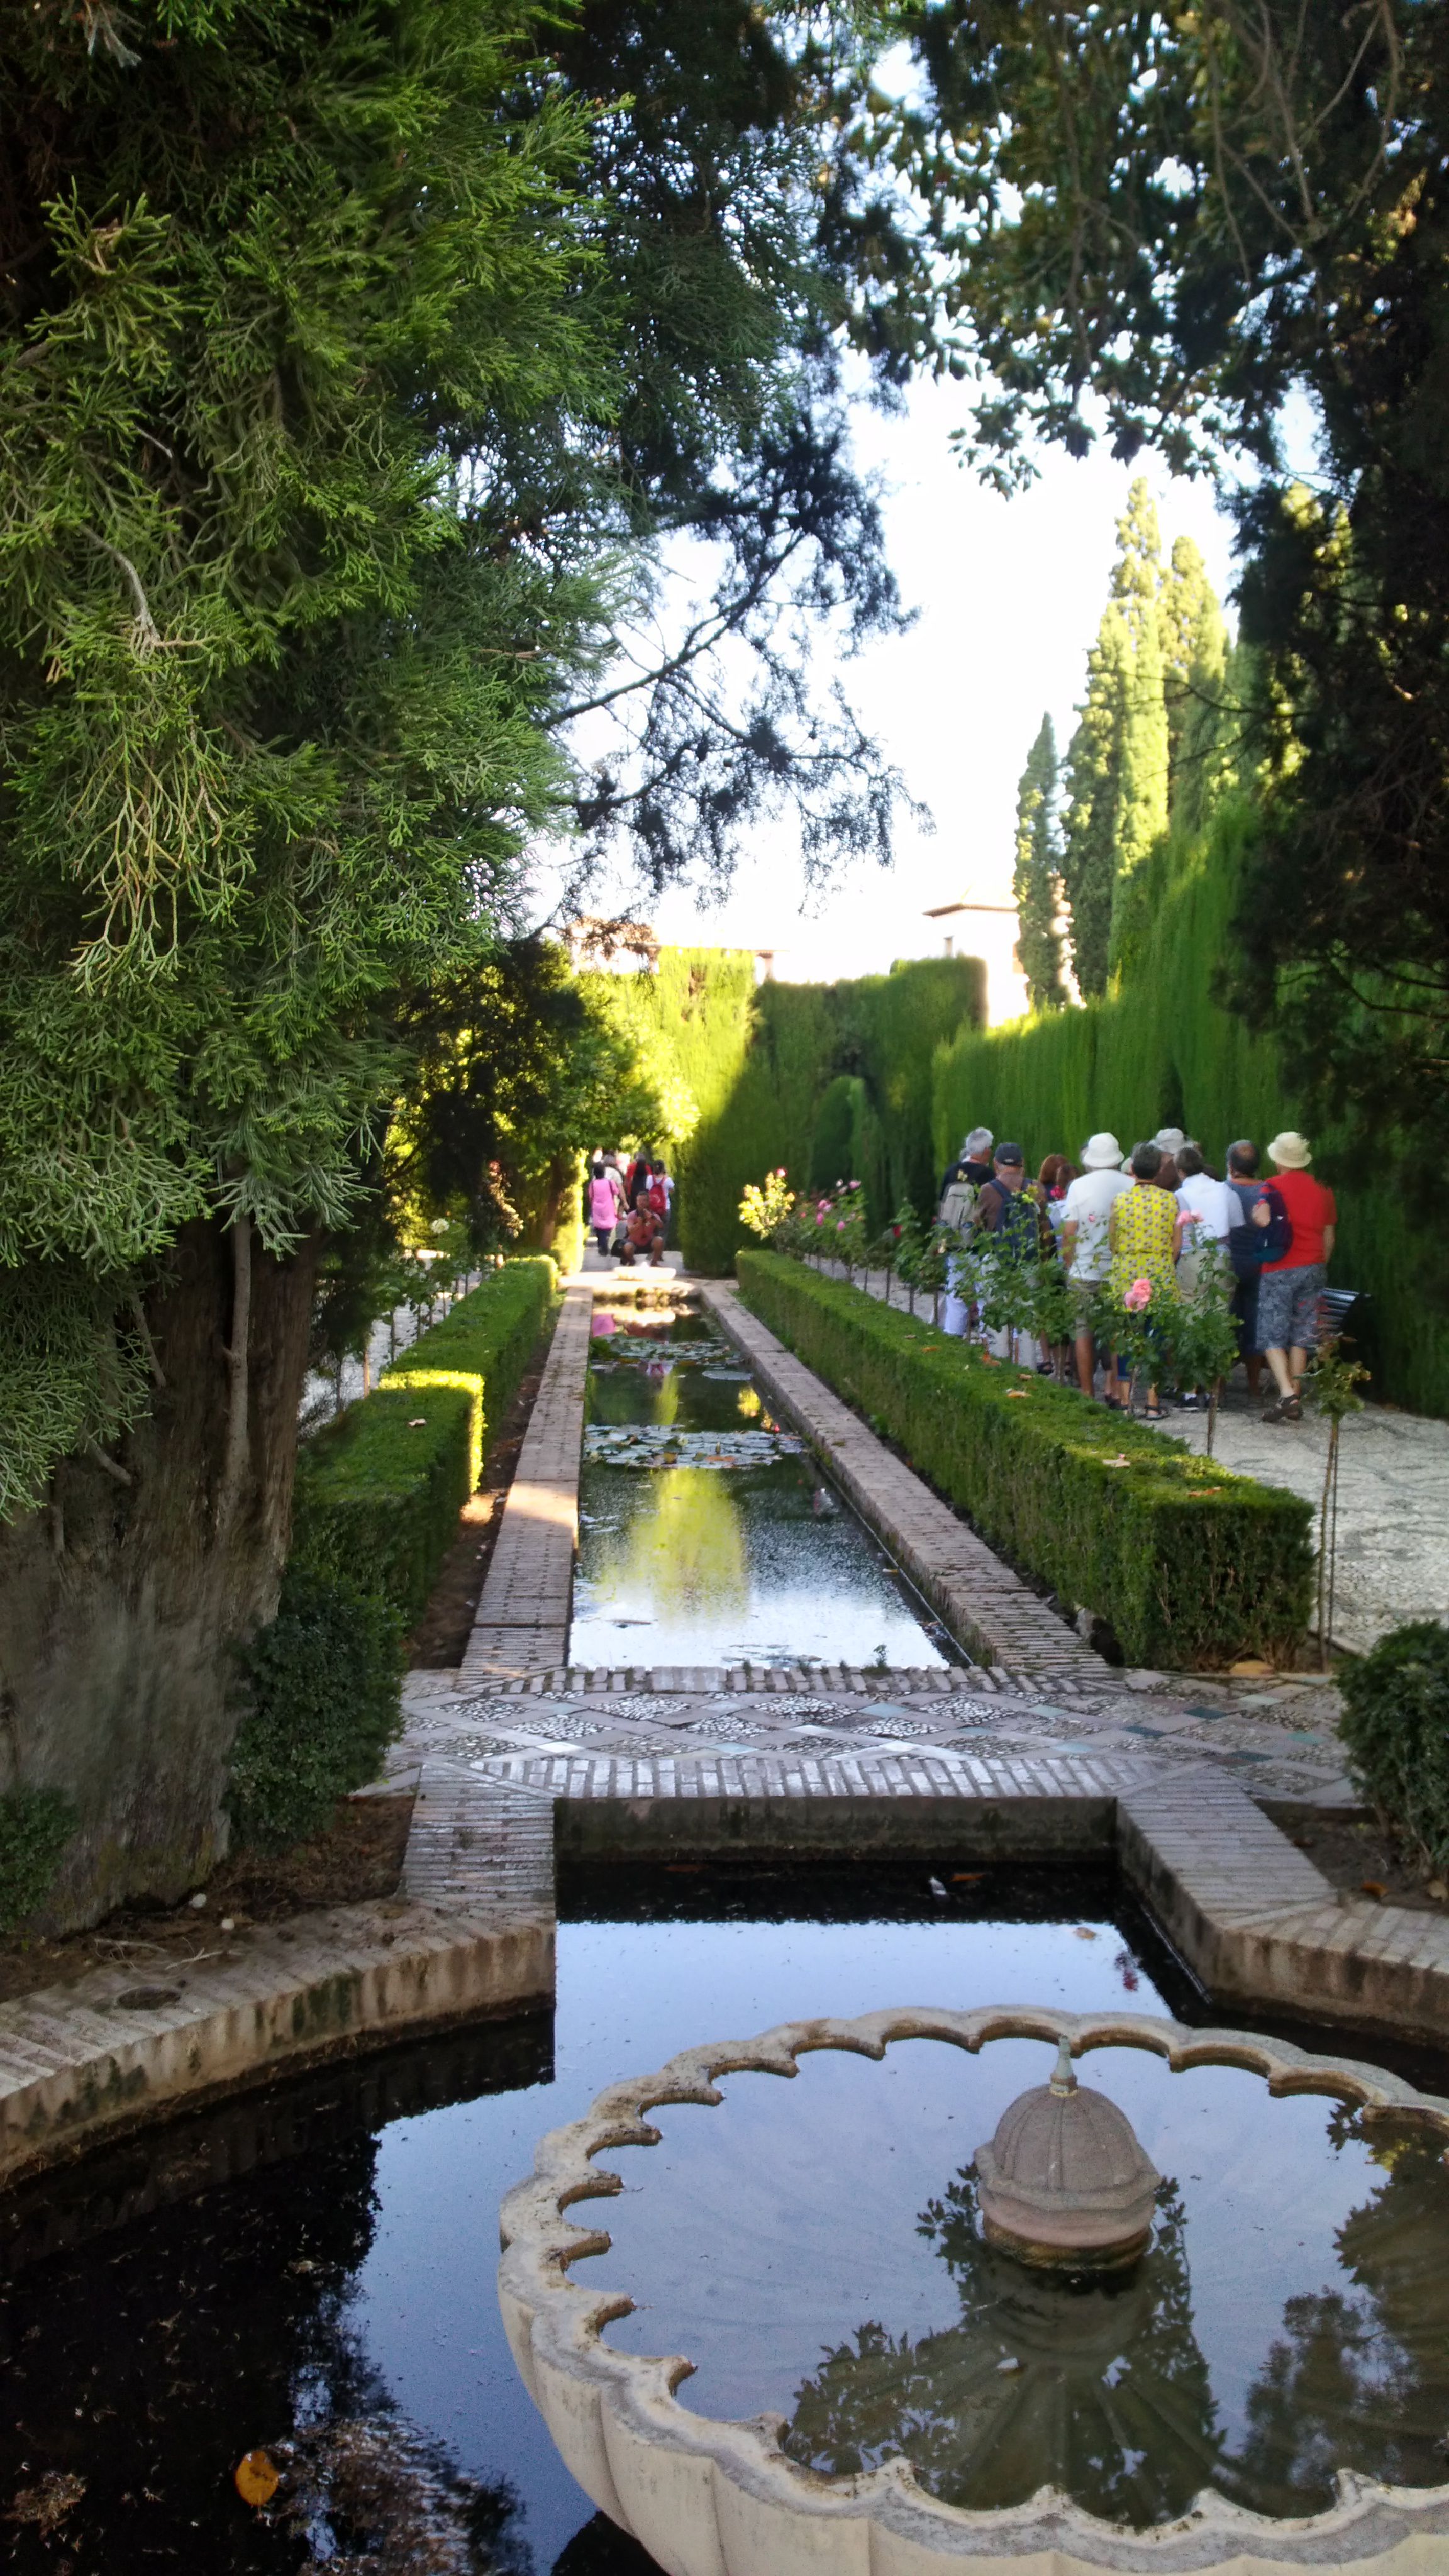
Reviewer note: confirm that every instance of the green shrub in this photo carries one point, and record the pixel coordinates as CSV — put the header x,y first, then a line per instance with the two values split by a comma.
x,y
35,1826
1190,1564
322,1707
379,1491
1395,1725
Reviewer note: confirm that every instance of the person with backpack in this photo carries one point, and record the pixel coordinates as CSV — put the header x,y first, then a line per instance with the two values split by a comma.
x,y
1009,1216
961,1184
1292,1283
1247,1252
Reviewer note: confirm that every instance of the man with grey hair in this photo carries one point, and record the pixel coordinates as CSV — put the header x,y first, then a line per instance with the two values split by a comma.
x,y
956,1206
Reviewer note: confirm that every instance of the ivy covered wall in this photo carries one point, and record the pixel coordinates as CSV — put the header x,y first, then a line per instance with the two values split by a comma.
x,y
815,1076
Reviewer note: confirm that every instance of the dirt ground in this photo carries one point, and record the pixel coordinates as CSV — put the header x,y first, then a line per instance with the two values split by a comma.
x,y
359,1858
1360,1858
437,1643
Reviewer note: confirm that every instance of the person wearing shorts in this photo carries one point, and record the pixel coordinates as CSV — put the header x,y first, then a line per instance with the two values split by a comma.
x,y
1289,1289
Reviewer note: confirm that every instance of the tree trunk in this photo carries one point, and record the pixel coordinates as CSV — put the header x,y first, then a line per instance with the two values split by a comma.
x,y
122,1602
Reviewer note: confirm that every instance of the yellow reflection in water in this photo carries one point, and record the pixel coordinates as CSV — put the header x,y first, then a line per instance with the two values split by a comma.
x,y
749,1402
688,1552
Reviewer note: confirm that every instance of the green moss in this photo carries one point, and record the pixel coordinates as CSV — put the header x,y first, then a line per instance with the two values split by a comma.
x,y
1190,1564
35,1826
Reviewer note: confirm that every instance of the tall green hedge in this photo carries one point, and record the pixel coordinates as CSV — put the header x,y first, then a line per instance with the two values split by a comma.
x,y
800,1074
1190,1564
1163,1051
380,1490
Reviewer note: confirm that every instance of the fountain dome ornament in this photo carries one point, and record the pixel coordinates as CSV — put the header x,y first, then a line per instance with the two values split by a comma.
x,y
1064,2184
709,2498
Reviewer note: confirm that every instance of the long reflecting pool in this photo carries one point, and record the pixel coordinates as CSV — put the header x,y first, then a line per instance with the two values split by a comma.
x,y
707,1532
313,2271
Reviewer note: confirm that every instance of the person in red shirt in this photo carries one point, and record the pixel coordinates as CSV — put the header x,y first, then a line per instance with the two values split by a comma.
x,y
1289,1288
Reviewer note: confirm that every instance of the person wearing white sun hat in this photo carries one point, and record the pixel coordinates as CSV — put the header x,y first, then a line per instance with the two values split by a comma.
x,y
1084,1248
1290,1287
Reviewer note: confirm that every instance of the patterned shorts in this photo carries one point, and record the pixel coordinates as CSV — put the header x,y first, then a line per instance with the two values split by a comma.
x,y
1288,1308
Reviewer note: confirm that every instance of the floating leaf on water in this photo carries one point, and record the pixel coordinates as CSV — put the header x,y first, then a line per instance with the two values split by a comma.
x,y
256,2478
48,2504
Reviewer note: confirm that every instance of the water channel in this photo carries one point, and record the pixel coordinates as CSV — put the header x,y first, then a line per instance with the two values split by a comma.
x,y
708,1535
311,2270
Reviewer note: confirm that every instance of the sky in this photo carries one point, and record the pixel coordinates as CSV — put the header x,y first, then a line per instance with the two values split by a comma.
x,y
1009,593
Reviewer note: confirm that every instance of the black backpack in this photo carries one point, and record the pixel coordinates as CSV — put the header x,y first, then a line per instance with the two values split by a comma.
x,y
1251,1247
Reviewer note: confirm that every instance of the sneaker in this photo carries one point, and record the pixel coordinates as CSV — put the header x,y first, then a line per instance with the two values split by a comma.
x,y
1189,1403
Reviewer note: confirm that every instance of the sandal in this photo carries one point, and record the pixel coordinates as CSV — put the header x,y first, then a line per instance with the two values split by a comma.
x,y
1287,1409
1153,1413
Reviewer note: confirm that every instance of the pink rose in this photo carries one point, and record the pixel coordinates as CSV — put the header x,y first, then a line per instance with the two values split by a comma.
x,y
840,1225
1138,1295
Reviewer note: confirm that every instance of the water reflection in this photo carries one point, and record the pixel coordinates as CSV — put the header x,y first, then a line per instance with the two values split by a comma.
x,y
1101,2389
1097,2387
751,1560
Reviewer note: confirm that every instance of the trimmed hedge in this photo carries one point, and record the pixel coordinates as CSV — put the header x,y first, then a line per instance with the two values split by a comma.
x,y
379,1492
322,1708
1395,1726
1190,1564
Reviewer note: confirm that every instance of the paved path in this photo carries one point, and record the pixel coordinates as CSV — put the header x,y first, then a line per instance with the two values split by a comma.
x,y
1393,1496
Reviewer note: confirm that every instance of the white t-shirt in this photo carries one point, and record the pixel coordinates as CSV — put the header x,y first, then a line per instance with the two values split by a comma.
x,y
1211,1208
1085,1206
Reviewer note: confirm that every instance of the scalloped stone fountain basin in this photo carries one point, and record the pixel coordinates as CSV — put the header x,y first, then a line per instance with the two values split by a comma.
x,y
1158,2418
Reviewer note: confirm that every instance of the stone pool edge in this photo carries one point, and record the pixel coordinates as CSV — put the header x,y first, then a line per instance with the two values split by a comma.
x,y
77,2065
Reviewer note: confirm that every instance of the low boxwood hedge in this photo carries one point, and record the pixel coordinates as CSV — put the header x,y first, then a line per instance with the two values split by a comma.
x,y
380,1490
1189,1563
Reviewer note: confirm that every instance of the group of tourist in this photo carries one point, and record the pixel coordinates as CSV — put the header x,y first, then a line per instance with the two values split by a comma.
x,y
627,1206
1160,1214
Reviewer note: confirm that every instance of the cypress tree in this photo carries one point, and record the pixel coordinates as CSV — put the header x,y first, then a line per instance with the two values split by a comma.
x,y
1094,779
1118,761
1036,877
1194,644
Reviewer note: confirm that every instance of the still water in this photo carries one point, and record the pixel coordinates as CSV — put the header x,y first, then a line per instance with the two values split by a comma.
x,y
707,1534
316,2268
815,2247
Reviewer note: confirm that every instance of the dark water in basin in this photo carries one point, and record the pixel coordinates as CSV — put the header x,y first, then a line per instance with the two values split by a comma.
x,y
708,1535
317,2266
815,2248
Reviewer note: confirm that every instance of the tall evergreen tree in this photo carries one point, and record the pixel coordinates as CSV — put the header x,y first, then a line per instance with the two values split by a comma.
x,y
350,359
1036,877
1118,760
1194,646
1094,788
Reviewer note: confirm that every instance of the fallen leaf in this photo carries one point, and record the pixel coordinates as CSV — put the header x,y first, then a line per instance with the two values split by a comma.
x,y
1085,1933
1372,1887
966,1877
1017,1394
419,1422
256,2479
48,2504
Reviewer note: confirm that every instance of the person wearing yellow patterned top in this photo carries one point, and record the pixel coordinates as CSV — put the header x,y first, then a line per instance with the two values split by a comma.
x,y
1144,1234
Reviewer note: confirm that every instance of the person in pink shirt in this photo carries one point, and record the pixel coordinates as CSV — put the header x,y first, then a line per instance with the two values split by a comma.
x,y
605,1201
1290,1287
